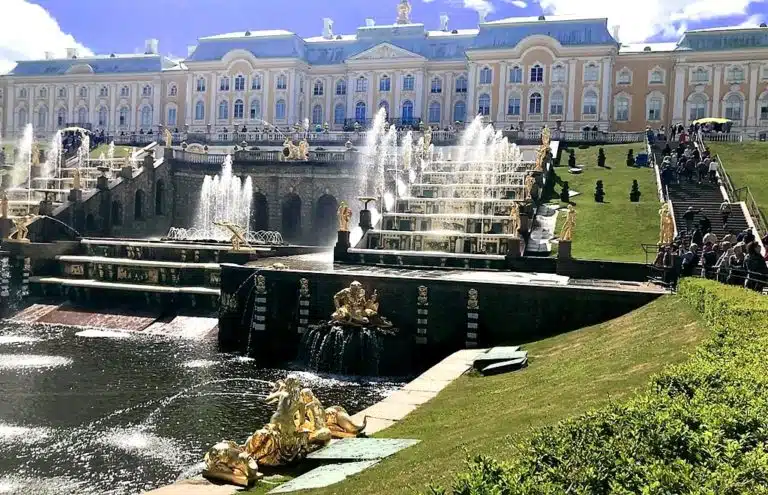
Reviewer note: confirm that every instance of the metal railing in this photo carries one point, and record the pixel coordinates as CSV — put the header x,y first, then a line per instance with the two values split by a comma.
x,y
729,137
259,156
742,194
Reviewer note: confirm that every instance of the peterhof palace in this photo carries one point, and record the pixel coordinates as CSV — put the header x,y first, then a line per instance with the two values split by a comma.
x,y
560,71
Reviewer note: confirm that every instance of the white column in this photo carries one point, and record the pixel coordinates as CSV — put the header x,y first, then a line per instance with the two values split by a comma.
x,y
570,117
718,75
31,105
134,113
447,113
212,100
371,109
471,83
188,96
502,98
394,111
607,82
293,89
157,111
350,100
330,90
92,89
266,104
754,74
51,111
308,89
9,127
678,109
112,114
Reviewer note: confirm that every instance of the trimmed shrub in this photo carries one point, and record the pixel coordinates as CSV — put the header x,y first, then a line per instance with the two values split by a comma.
x,y
701,427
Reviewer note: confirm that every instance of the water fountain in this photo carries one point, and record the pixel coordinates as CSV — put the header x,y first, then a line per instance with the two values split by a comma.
x,y
223,198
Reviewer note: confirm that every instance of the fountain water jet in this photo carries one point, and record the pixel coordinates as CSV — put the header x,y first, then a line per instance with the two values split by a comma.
x,y
224,198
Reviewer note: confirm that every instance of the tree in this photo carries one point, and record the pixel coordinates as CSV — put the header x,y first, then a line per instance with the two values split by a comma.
x,y
599,192
634,194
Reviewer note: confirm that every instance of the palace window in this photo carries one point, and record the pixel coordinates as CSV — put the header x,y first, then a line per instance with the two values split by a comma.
x,y
537,73
407,112
735,75
459,111
556,103
339,114
146,117
341,87
223,110
625,77
282,82
317,114
385,106
764,109
82,116
172,90
123,115
654,109
146,91
534,104
657,77
280,110
23,93
199,110
171,116
224,84
513,105
436,86
43,92
255,110
590,103
239,109
434,113
409,82
83,92
360,112
385,84
22,118
361,84
733,108
256,83
239,83
591,73
700,76
558,74
515,75
484,105
698,107
125,92
61,117
42,117
103,117
486,75
103,92
200,85
317,90
62,93
461,85
622,109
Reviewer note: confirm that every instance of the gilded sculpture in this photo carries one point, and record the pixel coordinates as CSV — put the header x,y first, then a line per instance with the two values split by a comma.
x,y
570,221
299,425
530,181
238,234
404,12
352,308
294,152
21,228
345,216
514,219
168,137
427,140
3,204
546,136
667,225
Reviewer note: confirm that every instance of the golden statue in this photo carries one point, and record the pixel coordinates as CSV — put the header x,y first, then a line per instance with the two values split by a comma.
x,y
352,308
514,219
667,227
293,152
21,228
570,221
404,12
238,234
168,137
76,180
299,425
530,181
427,140
345,215
34,154
546,136
303,150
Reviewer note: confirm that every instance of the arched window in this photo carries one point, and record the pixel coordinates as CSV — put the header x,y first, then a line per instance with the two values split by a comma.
x,y
199,110
360,112
138,205
125,91
461,84
146,116
224,83
338,114
407,112
200,85
460,111
484,105
61,117
590,103
62,93
361,84
433,115
280,110
385,84
82,116
83,92
103,92
146,91
513,105
556,103
239,83
486,75
282,82
171,120
103,117
654,108
537,73
534,104
515,75
385,106
733,107
42,117
558,74
43,92
172,90
591,73
255,110
23,93
317,114
436,86
622,109
239,109
657,77
22,117
256,82
317,90
223,110
698,106
341,87
124,117
409,83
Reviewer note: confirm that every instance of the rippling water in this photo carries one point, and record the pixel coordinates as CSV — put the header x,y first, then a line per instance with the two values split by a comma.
x,y
104,412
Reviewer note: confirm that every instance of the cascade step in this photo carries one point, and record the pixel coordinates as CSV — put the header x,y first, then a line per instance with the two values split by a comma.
x,y
97,284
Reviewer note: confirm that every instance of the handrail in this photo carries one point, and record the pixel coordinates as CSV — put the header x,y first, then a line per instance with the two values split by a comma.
x,y
742,194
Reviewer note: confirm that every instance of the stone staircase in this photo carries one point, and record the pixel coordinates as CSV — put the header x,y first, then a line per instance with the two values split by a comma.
x,y
707,198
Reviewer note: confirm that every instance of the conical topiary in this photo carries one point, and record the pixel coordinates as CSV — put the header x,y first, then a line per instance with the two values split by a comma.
x,y
599,192
601,157
634,193
630,158
565,194
571,159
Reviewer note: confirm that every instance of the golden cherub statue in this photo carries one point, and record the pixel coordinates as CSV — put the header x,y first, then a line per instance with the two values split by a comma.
x,y
514,219
570,221
546,136
35,154
352,308
530,181
345,215
21,228
168,137
3,204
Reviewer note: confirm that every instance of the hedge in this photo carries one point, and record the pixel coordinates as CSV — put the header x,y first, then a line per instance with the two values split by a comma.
x,y
701,427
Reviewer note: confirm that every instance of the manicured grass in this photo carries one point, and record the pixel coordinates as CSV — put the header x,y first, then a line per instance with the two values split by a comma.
x,y
747,165
568,375
615,229
120,151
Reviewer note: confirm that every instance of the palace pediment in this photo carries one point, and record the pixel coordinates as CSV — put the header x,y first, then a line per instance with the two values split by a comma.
x,y
385,51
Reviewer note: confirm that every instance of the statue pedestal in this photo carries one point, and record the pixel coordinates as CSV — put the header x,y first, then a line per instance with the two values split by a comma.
x,y
564,250
366,222
127,172
75,195
342,244
102,183
514,248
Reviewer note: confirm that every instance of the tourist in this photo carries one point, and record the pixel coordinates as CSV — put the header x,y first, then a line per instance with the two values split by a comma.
x,y
697,236
690,260
749,236
736,263
756,268
723,265
730,237
705,225
725,212
701,171
711,238
708,260
712,171
689,216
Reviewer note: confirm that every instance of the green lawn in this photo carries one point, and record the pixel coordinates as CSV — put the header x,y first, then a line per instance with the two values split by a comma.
x,y
615,229
568,375
120,151
747,165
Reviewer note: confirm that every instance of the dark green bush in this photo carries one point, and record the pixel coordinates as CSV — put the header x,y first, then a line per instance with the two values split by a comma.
x,y
701,427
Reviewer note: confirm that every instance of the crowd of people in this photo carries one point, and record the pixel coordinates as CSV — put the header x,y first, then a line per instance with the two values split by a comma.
x,y
687,162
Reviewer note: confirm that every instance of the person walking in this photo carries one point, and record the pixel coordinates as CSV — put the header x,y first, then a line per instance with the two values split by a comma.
x,y
712,171
725,212
689,216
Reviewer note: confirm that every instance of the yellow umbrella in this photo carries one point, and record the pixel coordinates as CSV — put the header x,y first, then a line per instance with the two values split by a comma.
x,y
712,120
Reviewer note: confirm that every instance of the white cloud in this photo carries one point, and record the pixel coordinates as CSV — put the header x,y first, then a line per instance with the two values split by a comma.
x,y
517,3
752,21
484,7
28,31
642,20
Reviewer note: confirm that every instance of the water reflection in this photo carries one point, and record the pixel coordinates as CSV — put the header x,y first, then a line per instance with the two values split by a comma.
x,y
121,415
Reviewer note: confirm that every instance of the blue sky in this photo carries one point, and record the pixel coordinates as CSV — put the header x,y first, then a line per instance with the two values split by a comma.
x,y
104,26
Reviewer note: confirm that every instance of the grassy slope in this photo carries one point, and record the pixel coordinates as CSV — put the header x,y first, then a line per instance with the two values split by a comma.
x,y
613,230
120,151
568,374
747,165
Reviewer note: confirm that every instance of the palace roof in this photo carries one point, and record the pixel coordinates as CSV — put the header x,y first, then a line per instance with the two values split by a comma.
x,y
98,64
